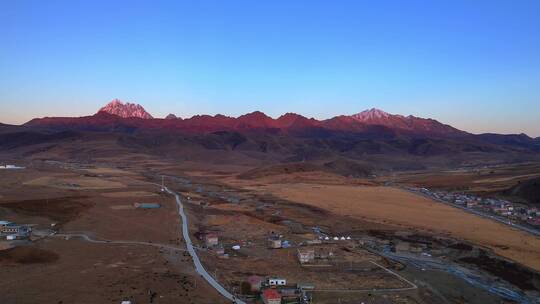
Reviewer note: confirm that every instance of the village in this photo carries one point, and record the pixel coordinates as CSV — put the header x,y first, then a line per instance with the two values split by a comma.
x,y
322,256
349,262
262,250
333,263
269,289
254,247
12,231
513,213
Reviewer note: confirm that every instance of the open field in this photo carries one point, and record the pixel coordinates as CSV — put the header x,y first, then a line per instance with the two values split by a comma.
x,y
61,209
99,273
250,221
56,270
395,206
285,204
109,171
26,255
69,182
315,177
484,180
128,194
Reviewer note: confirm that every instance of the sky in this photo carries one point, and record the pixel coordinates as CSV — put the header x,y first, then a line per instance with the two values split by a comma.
x,y
472,64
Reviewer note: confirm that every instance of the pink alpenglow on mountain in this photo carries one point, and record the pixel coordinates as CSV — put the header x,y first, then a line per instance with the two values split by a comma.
x,y
371,115
125,110
406,123
374,122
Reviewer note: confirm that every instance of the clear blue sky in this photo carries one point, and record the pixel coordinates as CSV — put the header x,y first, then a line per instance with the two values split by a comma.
x,y
472,64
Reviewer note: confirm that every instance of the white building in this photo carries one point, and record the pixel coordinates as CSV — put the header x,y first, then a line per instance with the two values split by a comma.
x,y
277,282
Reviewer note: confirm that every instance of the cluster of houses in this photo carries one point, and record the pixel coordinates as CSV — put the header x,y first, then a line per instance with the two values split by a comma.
x,y
276,291
307,251
270,290
12,231
500,207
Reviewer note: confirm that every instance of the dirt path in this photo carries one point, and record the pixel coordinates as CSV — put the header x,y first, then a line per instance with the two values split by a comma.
x,y
103,241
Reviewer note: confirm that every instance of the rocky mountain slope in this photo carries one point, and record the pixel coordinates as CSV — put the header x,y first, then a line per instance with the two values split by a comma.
x,y
407,123
374,122
125,110
293,137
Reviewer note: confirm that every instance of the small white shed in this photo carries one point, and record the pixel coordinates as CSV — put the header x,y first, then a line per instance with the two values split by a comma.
x,y
277,282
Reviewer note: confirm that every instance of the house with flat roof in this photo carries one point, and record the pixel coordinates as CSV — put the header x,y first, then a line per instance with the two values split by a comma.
x,y
14,231
211,239
12,228
274,243
271,296
306,255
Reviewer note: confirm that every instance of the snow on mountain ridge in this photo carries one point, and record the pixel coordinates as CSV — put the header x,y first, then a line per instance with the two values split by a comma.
x,y
125,110
371,114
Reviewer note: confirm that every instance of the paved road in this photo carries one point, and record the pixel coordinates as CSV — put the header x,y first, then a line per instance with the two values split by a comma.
x,y
198,265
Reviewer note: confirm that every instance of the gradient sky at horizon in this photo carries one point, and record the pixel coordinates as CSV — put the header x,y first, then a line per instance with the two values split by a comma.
x,y
472,64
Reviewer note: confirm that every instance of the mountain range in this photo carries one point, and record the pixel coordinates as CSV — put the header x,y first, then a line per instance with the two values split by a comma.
x,y
351,144
128,116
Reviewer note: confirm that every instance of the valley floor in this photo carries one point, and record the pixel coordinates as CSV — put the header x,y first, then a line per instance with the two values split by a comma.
x,y
100,200
399,207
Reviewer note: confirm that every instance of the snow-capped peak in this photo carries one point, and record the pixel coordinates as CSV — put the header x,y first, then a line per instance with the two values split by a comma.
x,y
370,114
125,110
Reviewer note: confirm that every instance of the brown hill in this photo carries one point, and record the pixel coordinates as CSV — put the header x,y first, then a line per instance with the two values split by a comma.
x,y
342,144
528,190
375,123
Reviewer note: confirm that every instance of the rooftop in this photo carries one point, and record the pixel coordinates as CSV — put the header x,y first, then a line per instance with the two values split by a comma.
x,y
211,235
271,294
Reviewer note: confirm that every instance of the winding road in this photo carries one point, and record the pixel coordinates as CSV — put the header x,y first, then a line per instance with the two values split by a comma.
x,y
191,249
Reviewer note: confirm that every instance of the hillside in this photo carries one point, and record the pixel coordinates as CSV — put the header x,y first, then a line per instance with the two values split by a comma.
x,y
343,144
527,190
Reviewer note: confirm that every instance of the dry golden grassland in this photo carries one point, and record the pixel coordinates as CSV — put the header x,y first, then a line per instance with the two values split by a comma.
x,y
125,194
109,171
486,179
69,181
400,207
